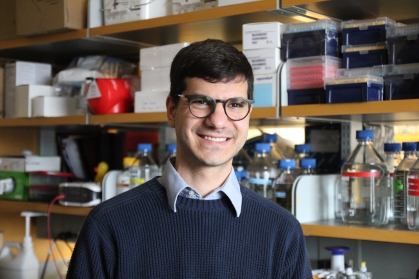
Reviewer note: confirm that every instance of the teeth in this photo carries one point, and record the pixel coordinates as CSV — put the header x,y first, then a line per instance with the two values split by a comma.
x,y
215,139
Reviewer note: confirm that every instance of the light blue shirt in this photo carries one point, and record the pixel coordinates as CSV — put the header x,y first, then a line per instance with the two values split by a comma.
x,y
176,186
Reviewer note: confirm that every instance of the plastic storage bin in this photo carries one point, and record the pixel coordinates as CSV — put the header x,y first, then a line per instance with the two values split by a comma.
x,y
310,39
356,85
305,78
362,32
362,56
403,44
401,81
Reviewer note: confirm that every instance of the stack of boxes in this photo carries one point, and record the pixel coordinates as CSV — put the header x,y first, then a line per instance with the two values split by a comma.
x,y
401,79
155,65
311,52
261,46
363,48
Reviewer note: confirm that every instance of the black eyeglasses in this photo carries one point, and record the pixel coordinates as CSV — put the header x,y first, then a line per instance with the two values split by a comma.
x,y
202,106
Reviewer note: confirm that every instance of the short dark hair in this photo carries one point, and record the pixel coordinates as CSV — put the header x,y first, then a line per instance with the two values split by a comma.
x,y
211,60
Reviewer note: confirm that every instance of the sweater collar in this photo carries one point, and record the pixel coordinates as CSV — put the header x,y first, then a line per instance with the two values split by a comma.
x,y
174,184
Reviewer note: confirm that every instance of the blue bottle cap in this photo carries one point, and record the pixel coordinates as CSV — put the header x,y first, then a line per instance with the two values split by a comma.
x,y
171,147
337,250
286,164
240,174
308,163
302,148
365,134
144,147
262,147
270,137
409,146
392,147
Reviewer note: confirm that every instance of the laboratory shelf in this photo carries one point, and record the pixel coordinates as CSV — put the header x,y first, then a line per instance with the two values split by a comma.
x,y
336,229
18,206
108,119
382,111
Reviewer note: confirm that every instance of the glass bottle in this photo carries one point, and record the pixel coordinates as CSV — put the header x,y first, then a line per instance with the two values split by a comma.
x,y
412,203
364,184
123,179
284,183
146,169
393,158
170,152
274,153
242,160
301,151
261,172
308,165
400,183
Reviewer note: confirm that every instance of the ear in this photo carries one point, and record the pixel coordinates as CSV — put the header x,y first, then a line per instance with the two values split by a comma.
x,y
171,111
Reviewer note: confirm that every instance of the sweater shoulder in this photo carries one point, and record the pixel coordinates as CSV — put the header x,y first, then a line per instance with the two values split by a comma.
x,y
131,197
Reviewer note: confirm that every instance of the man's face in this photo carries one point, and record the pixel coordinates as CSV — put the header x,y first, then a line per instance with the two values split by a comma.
x,y
210,141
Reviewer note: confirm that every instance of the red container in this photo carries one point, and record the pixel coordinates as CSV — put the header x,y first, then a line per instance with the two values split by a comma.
x,y
114,96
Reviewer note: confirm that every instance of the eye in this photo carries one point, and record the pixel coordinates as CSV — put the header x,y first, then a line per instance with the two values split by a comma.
x,y
237,103
201,101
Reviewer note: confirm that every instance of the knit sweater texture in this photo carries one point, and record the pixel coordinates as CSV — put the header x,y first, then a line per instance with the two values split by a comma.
x,y
137,235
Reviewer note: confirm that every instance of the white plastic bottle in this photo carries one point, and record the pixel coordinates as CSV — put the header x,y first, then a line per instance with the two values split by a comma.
x,y
147,168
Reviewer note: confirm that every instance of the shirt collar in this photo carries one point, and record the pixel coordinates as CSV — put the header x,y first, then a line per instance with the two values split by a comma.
x,y
174,184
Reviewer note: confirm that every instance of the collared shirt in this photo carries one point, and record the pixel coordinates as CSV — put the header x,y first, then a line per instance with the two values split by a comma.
x,y
176,186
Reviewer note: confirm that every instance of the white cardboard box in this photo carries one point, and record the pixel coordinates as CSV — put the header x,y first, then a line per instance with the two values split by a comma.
x,y
155,80
131,10
150,101
24,95
30,163
263,61
261,35
18,73
266,90
159,56
54,106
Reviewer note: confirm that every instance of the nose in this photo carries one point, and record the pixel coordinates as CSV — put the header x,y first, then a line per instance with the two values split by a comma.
x,y
218,119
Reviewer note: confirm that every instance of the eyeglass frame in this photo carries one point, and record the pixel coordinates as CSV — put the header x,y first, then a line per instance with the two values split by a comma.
x,y
224,102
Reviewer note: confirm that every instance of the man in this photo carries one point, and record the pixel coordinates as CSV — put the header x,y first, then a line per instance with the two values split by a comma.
x,y
196,221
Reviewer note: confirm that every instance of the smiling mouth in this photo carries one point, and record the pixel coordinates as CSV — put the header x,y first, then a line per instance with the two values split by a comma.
x,y
215,139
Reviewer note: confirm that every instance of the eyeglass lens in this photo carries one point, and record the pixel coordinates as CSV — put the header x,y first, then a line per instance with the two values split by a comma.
x,y
203,106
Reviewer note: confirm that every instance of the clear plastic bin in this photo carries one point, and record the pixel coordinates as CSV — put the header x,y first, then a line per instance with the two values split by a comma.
x,y
310,72
401,81
361,32
361,56
305,78
403,44
357,85
310,39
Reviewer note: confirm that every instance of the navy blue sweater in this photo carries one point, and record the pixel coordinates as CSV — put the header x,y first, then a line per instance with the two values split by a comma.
x,y
137,235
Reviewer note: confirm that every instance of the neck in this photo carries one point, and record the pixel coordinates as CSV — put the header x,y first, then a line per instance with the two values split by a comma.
x,y
204,179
